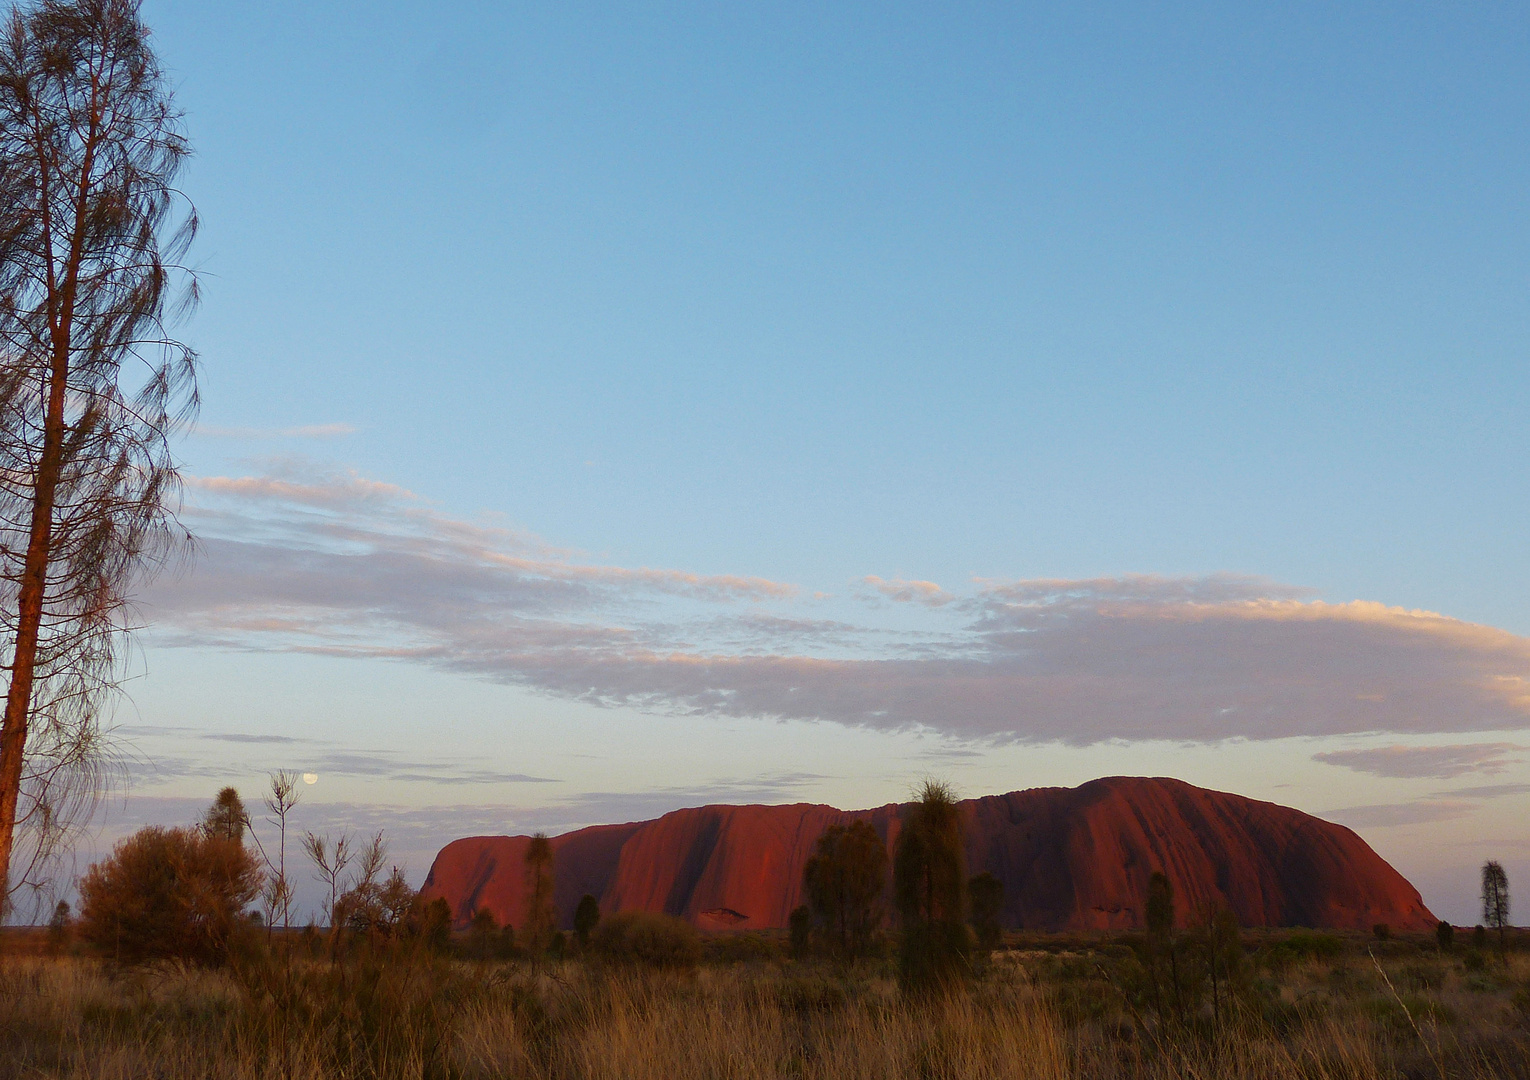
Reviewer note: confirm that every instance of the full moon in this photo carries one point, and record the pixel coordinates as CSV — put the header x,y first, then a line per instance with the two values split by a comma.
x,y
310,778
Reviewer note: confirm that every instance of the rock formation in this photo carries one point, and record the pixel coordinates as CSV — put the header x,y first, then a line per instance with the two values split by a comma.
x,y
1070,859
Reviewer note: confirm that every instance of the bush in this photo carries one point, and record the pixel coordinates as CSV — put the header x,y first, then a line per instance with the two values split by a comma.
x,y
60,929
586,919
800,926
1303,945
930,884
168,893
741,947
985,898
487,940
646,937
432,924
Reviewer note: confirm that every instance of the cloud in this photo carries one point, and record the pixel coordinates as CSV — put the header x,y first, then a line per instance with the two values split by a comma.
x,y
1489,791
1434,762
342,565
910,592
271,752
1440,806
237,737
1391,815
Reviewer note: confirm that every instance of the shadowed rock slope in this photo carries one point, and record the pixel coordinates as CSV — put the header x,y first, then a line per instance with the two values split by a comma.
x,y
1070,859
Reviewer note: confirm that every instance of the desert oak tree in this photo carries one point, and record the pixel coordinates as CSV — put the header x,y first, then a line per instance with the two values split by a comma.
x,y
1495,898
92,385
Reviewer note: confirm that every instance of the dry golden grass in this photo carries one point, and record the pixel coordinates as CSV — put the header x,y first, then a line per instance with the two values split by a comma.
x,y
1036,1016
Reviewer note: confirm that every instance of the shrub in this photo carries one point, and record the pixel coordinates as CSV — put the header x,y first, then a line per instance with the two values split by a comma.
x,y
843,882
60,928
227,816
646,937
486,940
800,925
741,948
168,893
985,897
1303,945
930,884
586,918
432,924
1382,931
541,921
1445,935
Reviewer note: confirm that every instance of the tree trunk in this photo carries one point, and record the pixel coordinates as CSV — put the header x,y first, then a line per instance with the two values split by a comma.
x,y
34,573
34,581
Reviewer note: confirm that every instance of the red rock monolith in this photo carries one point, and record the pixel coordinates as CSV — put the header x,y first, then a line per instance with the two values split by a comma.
x,y
1070,859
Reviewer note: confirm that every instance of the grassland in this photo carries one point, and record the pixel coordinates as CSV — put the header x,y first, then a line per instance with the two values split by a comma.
x,y
1043,1008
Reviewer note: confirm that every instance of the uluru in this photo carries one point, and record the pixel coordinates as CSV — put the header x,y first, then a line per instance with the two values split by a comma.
x,y
1071,859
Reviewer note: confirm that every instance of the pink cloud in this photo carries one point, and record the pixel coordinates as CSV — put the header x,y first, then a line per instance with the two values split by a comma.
x,y
348,566
1436,762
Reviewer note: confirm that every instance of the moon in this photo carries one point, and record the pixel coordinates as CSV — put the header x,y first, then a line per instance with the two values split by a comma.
x,y
310,778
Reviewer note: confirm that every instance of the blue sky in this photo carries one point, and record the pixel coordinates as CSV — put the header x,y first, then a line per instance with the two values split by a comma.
x,y
1217,314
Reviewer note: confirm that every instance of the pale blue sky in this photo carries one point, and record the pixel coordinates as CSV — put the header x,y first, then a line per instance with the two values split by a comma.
x,y
1003,293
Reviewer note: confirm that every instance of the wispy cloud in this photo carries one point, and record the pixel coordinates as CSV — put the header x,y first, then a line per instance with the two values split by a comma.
x,y
1439,806
347,566
1391,815
910,592
265,753
1434,762
258,740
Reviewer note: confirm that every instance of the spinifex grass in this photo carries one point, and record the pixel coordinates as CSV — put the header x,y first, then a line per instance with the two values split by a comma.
x,y
1066,1012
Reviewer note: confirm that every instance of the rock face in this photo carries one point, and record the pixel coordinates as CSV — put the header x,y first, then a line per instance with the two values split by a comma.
x,y
1070,859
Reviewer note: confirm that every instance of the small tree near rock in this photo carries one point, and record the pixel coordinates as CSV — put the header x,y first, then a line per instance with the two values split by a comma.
x,y
985,898
540,919
586,919
930,884
800,928
844,880
1495,899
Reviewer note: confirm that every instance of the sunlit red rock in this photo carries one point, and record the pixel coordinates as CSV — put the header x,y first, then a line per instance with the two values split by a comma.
x,y
1069,858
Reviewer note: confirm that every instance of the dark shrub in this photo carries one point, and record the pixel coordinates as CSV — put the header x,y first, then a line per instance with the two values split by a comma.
x,y
985,898
800,924
168,893
586,918
1314,945
60,929
1445,935
646,937
432,923
930,886
1382,931
843,882
486,940
741,948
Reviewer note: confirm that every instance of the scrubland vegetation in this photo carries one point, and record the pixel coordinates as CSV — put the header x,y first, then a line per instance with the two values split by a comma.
x,y
648,997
